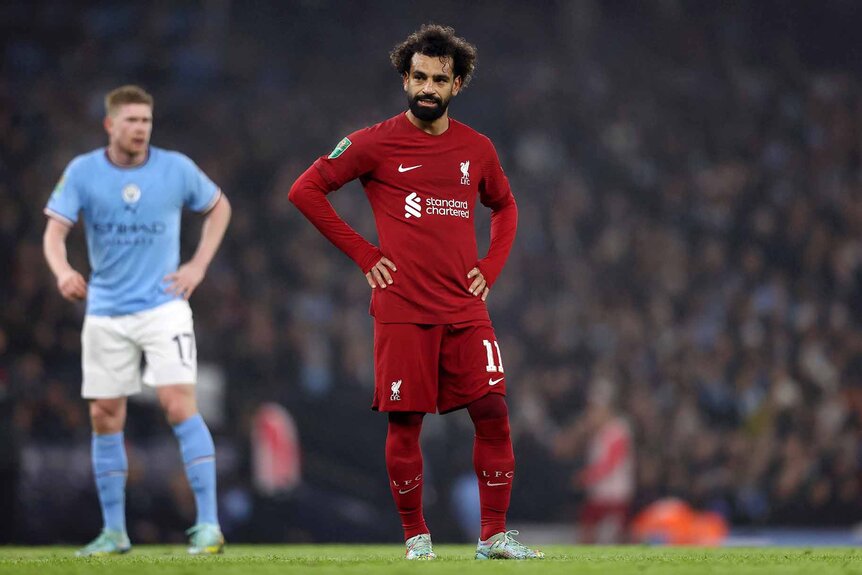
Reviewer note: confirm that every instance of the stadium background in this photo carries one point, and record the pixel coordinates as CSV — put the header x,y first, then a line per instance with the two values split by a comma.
x,y
689,188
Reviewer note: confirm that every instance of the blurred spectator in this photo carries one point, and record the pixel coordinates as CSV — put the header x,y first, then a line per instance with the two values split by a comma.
x,y
607,477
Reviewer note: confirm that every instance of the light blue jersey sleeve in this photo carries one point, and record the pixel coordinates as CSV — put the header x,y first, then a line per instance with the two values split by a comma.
x,y
66,200
201,193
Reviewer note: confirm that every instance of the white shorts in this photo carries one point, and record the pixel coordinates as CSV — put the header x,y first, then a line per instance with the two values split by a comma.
x,y
112,348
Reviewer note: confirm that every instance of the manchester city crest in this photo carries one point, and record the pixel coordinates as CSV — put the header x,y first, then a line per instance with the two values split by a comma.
x,y
131,195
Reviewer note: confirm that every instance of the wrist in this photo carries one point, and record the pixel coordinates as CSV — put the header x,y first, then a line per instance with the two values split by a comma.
x,y
370,260
64,272
488,271
199,263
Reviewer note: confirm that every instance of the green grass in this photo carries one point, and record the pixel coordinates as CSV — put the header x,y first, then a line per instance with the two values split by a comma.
x,y
453,559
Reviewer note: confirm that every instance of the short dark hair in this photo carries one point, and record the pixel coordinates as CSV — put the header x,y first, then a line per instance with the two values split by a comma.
x,y
436,40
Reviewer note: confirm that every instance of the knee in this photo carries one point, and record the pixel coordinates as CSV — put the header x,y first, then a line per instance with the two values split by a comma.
x,y
492,406
406,418
490,417
178,405
404,430
108,415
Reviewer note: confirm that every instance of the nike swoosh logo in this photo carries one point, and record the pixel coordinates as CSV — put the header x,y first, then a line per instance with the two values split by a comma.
x,y
402,169
495,381
403,491
497,484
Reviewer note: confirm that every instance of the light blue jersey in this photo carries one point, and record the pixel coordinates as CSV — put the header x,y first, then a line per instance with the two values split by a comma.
x,y
132,223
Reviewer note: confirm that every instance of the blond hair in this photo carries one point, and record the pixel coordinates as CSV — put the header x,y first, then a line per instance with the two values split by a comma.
x,y
128,94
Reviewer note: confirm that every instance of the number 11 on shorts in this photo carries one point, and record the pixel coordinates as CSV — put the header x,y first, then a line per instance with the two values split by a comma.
x,y
493,367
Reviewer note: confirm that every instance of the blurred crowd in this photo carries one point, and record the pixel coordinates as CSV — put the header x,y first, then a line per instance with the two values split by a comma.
x,y
688,181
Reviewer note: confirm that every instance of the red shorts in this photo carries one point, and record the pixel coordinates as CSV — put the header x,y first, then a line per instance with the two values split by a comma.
x,y
432,368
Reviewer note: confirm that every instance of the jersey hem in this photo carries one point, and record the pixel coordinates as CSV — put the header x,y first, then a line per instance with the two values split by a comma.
x,y
114,313
435,320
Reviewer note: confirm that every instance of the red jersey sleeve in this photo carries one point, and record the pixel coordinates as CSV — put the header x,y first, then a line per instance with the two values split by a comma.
x,y
353,157
495,193
350,159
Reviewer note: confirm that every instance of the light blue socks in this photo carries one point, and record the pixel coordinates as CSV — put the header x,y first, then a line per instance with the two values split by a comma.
x,y
110,467
198,450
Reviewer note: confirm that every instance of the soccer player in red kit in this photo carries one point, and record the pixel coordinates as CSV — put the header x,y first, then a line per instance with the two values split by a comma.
x,y
434,345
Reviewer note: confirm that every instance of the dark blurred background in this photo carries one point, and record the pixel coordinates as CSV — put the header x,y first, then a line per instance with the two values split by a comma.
x,y
688,179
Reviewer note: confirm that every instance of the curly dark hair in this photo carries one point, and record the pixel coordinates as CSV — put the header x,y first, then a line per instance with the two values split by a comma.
x,y
436,40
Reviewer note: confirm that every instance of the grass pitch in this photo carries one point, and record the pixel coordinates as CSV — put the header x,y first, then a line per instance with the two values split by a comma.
x,y
452,560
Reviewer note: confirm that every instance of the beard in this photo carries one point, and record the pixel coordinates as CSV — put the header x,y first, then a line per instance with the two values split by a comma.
x,y
424,113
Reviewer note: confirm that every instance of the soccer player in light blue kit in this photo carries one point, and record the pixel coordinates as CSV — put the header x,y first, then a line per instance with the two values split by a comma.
x,y
131,196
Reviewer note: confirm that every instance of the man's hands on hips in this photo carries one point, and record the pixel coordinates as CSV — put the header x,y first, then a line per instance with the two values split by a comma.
x,y
184,281
479,287
379,276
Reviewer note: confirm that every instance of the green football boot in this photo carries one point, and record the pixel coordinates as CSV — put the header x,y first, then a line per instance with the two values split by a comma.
x,y
205,539
419,548
504,546
107,543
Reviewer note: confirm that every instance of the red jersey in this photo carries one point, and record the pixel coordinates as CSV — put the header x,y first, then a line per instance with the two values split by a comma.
x,y
423,191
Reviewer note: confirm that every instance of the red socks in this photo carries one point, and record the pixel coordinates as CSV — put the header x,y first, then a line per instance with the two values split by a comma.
x,y
404,464
493,460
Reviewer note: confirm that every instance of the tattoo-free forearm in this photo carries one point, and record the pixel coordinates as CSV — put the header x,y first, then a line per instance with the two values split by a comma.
x,y
212,232
54,247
